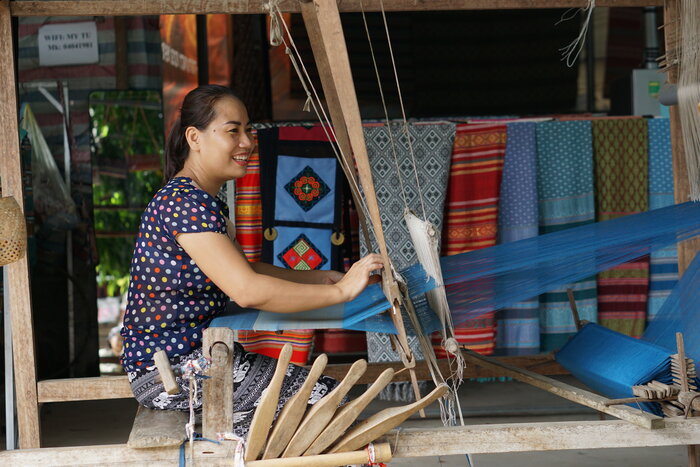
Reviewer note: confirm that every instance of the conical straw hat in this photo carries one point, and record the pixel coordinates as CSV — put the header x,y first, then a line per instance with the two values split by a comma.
x,y
13,231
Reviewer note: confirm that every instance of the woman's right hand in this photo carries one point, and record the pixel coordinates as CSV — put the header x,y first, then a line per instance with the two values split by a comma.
x,y
359,276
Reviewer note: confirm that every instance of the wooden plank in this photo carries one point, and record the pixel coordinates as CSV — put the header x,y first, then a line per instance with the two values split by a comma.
x,y
267,407
205,453
540,364
157,428
180,7
572,393
409,442
18,272
217,391
544,436
117,387
84,389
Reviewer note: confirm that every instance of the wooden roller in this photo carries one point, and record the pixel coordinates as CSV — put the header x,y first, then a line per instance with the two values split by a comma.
x,y
382,453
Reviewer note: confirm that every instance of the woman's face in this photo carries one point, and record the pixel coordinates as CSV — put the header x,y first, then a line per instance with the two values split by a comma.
x,y
226,144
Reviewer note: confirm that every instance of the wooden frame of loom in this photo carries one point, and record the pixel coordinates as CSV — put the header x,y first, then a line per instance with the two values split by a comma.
x,y
475,439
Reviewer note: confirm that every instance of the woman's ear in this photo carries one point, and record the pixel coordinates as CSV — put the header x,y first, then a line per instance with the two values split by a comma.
x,y
192,137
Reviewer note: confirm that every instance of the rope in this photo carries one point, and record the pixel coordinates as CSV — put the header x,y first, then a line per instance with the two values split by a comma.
x,y
386,112
403,110
326,124
571,52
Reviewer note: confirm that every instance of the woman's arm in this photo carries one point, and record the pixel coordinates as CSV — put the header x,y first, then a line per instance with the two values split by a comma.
x,y
226,266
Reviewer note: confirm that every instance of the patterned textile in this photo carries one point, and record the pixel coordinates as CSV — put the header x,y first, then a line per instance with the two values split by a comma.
x,y
621,170
663,264
301,186
566,199
251,374
270,343
471,219
432,146
339,340
518,327
249,209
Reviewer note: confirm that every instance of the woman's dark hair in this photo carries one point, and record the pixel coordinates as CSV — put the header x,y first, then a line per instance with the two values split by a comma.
x,y
198,111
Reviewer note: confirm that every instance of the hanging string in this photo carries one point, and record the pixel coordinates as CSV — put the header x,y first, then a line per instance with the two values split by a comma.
x,y
571,52
326,123
386,112
409,141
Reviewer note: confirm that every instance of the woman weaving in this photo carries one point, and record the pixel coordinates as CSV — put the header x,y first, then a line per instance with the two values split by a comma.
x,y
187,264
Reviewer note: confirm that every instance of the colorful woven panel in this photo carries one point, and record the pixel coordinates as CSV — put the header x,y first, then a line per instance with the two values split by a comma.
x,y
270,343
518,327
301,185
471,215
432,147
622,171
249,209
566,199
663,264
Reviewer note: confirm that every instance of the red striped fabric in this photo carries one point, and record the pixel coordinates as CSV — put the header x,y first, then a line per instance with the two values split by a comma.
x,y
471,217
249,209
270,343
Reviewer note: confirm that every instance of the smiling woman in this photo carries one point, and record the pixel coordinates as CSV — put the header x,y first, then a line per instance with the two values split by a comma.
x,y
187,264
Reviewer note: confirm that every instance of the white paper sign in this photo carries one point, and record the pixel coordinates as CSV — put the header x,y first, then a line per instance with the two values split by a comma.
x,y
68,44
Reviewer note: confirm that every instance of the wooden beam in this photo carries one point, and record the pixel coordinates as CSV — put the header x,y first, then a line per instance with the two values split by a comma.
x,y
181,7
117,387
545,436
408,442
572,393
84,389
681,184
18,272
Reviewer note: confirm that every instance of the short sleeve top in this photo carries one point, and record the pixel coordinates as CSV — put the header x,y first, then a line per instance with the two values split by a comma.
x,y
170,300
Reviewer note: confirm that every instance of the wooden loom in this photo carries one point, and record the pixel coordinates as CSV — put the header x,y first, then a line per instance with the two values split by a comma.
x,y
328,42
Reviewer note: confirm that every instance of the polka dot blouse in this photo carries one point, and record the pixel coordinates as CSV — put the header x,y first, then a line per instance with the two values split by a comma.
x,y
170,301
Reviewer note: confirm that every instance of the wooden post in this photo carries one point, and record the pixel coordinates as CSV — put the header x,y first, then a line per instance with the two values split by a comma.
x,y
18,272
217,391
681,185
326,34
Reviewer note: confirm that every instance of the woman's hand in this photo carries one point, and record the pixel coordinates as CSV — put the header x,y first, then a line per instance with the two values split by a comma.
x,y
359,276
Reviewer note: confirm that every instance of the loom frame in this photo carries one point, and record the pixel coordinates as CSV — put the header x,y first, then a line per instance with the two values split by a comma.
x,y
31,393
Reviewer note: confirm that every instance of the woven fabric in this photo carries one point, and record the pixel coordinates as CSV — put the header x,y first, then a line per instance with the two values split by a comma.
x,y
471,219
518,327
249,209
566,200
432,147
621,170
270,343
663,264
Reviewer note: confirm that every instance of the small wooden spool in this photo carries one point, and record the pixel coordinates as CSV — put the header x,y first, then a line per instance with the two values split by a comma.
x,y
13,231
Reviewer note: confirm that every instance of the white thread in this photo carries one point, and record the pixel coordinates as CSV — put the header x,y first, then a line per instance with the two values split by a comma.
x,y
571,52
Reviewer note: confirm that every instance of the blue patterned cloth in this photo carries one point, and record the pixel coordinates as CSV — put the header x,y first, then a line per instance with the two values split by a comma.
x,y
664,263
566,199
518,331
